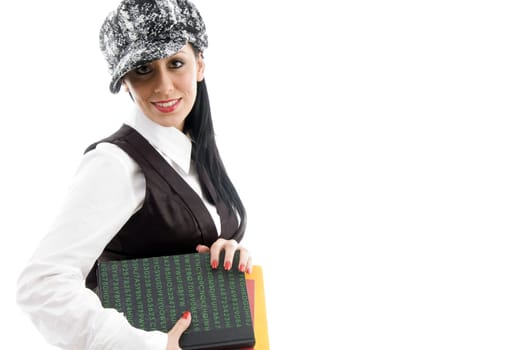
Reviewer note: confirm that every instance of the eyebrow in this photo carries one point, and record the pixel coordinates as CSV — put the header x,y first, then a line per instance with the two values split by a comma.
x,y
178,53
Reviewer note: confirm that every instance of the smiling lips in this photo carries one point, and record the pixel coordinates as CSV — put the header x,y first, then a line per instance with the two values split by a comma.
x,y
167,106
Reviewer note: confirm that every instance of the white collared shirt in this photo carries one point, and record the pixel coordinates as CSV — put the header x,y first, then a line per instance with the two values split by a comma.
x,y
107,189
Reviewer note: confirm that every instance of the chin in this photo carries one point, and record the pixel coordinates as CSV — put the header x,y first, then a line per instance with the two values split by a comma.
x,y
171,122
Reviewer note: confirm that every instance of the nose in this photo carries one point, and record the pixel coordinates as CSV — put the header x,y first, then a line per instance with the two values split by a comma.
x,y
163,83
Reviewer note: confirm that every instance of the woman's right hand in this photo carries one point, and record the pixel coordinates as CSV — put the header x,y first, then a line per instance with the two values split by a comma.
x,y
177,330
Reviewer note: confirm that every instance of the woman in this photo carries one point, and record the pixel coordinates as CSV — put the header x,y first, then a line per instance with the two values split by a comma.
x,y
155,187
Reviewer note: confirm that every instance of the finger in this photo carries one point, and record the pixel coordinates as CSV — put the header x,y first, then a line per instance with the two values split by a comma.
x,y
248,268
244,259
181,325
215,250
202,248
229,247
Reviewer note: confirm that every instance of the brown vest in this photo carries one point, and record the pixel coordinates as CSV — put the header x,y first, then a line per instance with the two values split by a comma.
x,y
173,218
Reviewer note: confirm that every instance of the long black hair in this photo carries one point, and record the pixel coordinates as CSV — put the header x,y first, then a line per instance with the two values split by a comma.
x,y
198,125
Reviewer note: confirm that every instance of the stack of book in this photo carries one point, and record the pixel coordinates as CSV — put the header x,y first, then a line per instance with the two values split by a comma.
x,y
228,307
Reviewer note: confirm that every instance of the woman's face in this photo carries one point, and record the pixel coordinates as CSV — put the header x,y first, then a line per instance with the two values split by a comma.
x,y
165,90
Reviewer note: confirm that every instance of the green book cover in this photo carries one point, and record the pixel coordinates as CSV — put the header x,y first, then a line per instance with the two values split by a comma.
x,y
154,292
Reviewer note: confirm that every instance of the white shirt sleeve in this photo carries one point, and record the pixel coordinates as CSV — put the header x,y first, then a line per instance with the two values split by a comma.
x,y
107,189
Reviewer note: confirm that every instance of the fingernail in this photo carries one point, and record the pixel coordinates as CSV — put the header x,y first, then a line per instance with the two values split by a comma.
x,y
214,264
186,314
227,265
242,267
249,270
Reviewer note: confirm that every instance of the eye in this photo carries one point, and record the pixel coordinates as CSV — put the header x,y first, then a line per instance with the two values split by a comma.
x,y
144,69
176,63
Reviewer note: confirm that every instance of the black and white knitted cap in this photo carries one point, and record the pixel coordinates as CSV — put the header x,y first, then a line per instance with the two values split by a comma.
x,y
142,31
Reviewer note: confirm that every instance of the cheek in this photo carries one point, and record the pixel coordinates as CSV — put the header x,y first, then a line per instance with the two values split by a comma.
x,y
141,93
188,83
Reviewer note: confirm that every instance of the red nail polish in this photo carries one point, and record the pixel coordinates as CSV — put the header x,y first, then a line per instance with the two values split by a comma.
x,y
186,314
227,265
214,264
242,267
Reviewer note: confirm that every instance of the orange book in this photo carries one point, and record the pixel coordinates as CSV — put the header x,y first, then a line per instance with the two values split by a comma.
x,y
256,297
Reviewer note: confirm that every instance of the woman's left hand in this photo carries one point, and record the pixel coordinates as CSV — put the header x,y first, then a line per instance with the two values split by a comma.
x,y
229,246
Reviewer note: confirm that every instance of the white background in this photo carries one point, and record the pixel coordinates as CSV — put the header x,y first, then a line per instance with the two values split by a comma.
x,y
378,146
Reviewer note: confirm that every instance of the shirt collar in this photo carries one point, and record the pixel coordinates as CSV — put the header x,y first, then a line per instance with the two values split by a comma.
x,y
168,141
